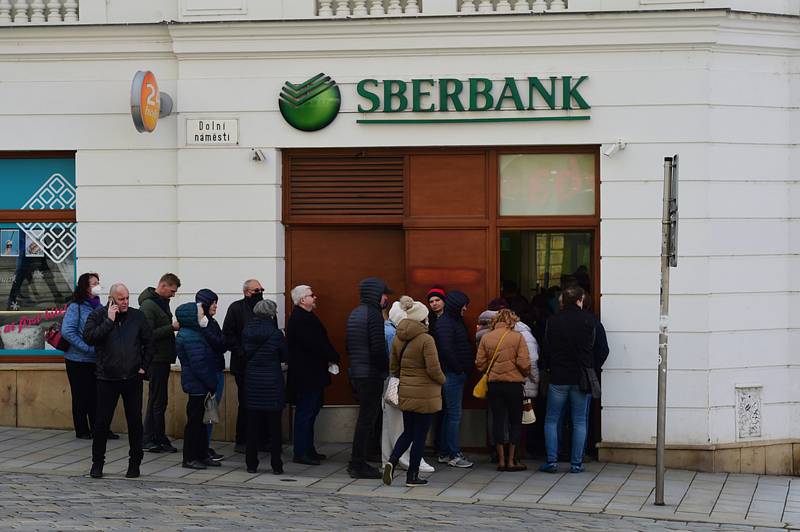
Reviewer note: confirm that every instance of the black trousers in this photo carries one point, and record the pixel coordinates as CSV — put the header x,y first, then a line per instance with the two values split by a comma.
x,y
242,417
256,421
155,416
415,432
83,387
195,435
108,393
368,393
505,399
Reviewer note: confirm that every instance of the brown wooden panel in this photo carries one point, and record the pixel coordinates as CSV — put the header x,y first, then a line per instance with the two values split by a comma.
x,y
37,215
332,261
453,184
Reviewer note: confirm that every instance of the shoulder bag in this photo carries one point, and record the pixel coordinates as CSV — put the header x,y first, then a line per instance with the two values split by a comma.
x,y
481,389
211,413
54,337
392,395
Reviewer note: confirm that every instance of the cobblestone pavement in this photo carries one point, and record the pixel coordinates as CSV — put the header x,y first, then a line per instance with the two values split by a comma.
x,y
46,502
606,494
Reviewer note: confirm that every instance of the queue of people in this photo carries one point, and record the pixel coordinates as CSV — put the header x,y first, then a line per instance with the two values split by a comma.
x,y
426,349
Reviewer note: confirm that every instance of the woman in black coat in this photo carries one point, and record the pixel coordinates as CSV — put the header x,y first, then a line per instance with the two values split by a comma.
x,y
264,350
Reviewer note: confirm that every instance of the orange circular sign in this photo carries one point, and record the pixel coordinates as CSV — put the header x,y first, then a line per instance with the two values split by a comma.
x,y
145,101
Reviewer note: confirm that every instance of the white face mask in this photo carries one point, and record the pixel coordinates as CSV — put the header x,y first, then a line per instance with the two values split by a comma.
x,y
97,290
203,322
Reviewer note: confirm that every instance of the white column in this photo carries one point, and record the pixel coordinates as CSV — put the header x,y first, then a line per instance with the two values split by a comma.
x,y
71,11
360,8
467,6
503,6
325,8
521,6
20,12
37,11
5,12
342,8
539,6
412,7
54,11
376,8
394,8
485,6
558,5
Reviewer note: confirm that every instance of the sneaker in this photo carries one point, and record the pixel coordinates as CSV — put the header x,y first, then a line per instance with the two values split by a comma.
x,y
194,464
443,459
214,455
168,448
576,468
425,467
208,462
151,447
548,468
460,461
388,472
413,480
97,470
133,470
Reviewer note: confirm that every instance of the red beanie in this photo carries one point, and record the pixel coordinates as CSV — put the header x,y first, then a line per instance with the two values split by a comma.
x,y
435,292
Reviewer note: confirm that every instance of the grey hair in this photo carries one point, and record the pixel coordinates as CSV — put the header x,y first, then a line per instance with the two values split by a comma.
x,y
299,292
247,283
114,289
266,307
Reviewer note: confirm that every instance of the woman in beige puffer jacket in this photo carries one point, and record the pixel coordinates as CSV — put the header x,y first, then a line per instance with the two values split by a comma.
x,y
512,364
416,362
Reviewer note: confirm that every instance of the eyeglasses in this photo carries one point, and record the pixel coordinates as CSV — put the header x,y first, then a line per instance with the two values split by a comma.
x,y
257,290
311,295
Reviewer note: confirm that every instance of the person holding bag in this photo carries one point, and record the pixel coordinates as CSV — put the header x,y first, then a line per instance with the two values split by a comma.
x,y
416,362
504,359
198,379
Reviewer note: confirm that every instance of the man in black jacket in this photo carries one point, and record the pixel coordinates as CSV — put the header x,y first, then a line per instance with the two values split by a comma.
x,y
568,351
239,313
457,358
310,354
369,366
123,342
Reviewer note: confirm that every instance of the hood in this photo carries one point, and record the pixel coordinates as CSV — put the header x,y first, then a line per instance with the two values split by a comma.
x,y
454,301
186,315
370,291
521,327
486,317
206,297
409,329
147,293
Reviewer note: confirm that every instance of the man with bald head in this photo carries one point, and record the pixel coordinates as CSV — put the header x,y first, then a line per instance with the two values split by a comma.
x,y
239,313
122,340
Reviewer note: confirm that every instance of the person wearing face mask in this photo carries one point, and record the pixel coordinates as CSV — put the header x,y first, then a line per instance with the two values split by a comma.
x,y
198,378
80,357
123,343
239,313
213,335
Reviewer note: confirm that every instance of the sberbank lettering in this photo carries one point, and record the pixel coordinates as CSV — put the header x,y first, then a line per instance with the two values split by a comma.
x,y
474,94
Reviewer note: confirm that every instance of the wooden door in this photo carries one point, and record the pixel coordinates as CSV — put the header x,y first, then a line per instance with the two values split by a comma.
x,y
332,260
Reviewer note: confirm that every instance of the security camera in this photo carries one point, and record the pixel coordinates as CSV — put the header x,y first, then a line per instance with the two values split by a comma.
x,y
257,155
611,149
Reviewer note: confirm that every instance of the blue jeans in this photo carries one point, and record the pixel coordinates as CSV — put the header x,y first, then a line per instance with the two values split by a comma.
x,y
306,410
218,397
452,395
415,432
557,397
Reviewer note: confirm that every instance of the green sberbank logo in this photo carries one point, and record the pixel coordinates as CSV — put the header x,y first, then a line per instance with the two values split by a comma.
x,y
311,105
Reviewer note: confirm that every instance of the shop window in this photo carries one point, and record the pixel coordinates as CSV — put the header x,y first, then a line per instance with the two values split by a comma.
x,y
37,251
555,184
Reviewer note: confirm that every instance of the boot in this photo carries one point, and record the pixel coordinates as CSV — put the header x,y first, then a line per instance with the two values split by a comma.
x,y
97,470
413,480
133,470
388,470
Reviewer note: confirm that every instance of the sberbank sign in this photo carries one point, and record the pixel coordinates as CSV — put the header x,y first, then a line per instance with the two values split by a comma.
x,y
443,100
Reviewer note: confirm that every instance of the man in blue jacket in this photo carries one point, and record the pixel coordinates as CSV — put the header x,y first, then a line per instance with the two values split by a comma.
x,y
456,357
369,367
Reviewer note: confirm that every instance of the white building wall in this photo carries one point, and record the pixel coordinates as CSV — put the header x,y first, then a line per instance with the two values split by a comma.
x,y
723,92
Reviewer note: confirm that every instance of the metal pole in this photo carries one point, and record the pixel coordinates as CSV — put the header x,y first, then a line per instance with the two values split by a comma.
x,y
662,337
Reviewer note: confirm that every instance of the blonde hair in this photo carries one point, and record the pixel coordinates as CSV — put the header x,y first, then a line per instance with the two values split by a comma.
x,y
505,316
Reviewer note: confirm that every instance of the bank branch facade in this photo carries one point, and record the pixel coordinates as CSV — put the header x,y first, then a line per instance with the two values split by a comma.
x,y
459,143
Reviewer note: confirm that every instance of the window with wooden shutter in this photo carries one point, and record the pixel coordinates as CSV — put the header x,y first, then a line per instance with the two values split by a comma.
x,y
344,188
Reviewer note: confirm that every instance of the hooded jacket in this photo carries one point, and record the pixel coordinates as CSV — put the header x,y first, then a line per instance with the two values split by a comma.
x,y
310,352
366,343
264,350
212,332
456,354
421,377
159,317
122,347
568,346
239,313
198,360
512,362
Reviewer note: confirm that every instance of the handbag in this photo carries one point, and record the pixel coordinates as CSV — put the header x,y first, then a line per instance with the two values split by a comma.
x,y
54,337
392,394
589,383
211,413
481,389
528,415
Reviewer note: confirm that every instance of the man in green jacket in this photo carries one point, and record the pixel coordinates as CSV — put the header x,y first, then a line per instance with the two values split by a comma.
x,y
154,303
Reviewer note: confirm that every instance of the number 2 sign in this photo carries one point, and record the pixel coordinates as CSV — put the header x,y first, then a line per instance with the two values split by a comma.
x,y
147,103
